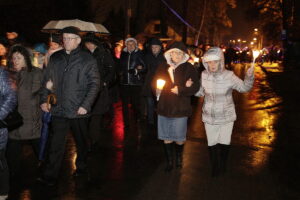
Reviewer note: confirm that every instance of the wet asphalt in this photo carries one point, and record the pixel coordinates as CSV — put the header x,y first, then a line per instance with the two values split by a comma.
x,y
264,160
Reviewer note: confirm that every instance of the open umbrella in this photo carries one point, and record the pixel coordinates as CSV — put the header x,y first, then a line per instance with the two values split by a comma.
x,y
56,25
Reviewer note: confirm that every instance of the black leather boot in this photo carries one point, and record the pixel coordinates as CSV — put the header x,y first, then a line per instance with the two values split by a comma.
x,y
178,150
213,154
169,156
224,151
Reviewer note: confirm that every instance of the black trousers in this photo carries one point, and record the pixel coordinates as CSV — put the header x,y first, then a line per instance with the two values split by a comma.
x,y
95,126
14,153
131,94
60,128
4,174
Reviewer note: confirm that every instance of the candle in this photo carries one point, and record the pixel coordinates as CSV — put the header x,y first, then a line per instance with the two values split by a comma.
x,y
255,54
160,84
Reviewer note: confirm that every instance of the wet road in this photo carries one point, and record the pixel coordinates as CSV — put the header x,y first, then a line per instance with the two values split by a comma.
x,y
263,161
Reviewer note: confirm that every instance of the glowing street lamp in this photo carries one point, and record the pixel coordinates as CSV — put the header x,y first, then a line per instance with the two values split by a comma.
x,y
255,39
255,29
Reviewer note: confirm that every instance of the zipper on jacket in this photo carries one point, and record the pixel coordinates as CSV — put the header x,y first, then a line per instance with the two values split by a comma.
x,y
128,69
213,100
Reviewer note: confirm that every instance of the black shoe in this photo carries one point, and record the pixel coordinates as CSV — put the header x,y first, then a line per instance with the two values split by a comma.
x,y
46,182
79,172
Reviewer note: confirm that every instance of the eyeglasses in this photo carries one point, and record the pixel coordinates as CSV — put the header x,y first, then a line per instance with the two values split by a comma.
x,y
69,38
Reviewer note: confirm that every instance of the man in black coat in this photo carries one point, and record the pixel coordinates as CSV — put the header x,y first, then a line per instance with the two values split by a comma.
x,y
106,67
132,72
152,60
73,77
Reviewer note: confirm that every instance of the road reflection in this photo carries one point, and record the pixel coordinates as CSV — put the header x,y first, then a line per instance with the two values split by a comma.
x,y
265,105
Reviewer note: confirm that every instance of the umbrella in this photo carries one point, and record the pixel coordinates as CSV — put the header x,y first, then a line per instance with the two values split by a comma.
x,y
44,134
56,25
46,119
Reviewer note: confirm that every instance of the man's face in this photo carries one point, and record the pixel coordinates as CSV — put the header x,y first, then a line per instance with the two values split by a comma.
x,y
130,46
155,49
71,41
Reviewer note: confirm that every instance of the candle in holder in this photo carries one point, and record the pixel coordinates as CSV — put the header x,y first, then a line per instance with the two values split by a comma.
x,y
159,85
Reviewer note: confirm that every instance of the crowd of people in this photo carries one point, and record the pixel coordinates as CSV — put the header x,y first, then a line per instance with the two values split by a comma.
x,y
75,80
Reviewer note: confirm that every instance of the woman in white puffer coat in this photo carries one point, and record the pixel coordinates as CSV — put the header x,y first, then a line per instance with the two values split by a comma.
x,y
218,112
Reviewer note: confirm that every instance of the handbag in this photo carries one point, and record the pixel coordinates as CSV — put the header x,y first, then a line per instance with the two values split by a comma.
x,y
12,121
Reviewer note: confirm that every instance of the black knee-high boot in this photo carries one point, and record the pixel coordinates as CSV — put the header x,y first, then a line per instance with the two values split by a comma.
x,y
169,156
178,150
213,154
224,151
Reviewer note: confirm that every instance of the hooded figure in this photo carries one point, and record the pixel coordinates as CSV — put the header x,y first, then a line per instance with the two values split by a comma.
x,y
153,59
106,67
218,112
174,105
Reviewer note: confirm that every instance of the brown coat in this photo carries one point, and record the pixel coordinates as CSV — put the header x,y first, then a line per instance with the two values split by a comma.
x,y
28,86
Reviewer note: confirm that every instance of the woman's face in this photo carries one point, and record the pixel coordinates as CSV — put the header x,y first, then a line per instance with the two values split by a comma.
x,y
177,56
213,65
18,61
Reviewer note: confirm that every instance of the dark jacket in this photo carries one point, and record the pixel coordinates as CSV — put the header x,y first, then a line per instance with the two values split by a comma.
x,y
129,74
76,82
152,62
8,101
28,87
106,67
170,104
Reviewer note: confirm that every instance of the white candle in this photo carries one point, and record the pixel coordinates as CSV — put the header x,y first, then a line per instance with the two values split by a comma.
x,y
255,54
160,84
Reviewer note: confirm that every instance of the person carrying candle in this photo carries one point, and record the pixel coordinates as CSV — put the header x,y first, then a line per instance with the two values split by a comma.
x,y
174,104
218,112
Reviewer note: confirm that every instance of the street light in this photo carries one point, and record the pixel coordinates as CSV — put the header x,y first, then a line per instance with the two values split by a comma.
x,y
255,29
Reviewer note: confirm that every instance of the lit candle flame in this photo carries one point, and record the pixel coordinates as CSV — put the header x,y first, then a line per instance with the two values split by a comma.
x,y
255,54
160,84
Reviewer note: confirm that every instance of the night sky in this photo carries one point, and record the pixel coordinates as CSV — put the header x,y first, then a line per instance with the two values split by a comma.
x,y
242,27
32,15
